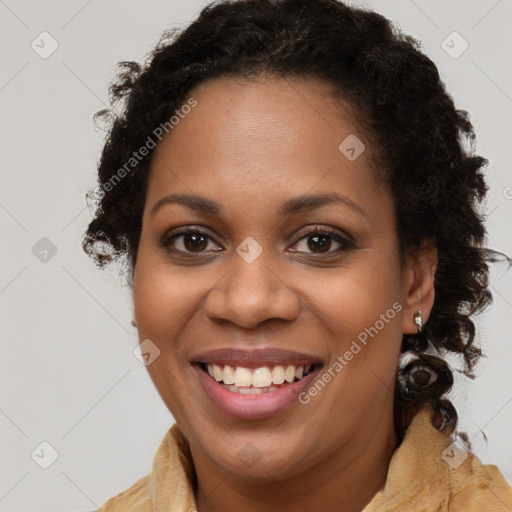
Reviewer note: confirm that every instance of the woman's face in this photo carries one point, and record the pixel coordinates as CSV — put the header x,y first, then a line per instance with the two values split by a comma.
x,y
257,297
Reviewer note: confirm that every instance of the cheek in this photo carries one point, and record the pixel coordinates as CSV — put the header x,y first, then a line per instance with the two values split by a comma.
x,y
353,299
359,311
163,305
162,296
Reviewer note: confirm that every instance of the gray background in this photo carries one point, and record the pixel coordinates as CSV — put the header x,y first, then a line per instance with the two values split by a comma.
x,y
68,373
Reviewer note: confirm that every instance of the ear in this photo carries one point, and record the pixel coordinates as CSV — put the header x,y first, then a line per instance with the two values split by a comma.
x,y
419,292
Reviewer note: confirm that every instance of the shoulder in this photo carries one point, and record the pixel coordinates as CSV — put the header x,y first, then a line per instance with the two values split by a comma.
x,y
476,486
429,471
169,485
470,485
136,499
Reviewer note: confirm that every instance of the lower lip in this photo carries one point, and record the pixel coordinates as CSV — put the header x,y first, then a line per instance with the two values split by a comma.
x,y
253,407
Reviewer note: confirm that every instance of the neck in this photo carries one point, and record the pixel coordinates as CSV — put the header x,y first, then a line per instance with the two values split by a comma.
x,y
346,480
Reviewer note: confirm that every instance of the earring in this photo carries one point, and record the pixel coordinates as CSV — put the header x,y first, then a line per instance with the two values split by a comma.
x,y
418,320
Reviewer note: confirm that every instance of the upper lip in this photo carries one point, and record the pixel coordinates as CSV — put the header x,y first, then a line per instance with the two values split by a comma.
x,y
255,358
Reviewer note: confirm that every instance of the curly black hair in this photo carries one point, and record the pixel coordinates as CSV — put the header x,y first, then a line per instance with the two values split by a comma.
x,y
423,145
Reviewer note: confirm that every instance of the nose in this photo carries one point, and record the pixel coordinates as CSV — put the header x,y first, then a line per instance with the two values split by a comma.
x,y
251,293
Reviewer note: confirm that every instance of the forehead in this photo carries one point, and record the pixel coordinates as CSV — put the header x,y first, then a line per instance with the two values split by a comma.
x,y
265,137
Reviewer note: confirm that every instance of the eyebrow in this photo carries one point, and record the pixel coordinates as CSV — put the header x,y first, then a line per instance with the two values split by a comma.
x,y
290,207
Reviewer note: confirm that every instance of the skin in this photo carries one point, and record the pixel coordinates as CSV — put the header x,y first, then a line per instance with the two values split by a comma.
x,y
251,145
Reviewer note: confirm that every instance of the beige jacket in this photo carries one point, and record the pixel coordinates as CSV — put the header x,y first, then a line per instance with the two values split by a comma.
x,y
427,473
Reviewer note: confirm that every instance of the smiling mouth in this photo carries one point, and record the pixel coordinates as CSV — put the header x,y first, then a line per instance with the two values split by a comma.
x,y
252,381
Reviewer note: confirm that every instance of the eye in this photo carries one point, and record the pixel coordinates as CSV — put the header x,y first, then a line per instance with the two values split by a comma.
x,y
319,241
187,242
195,241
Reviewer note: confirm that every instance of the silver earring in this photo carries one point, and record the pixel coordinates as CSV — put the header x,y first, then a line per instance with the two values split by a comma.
x,y
418,320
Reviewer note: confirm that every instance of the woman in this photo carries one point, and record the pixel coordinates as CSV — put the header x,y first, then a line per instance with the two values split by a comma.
x,y
288,183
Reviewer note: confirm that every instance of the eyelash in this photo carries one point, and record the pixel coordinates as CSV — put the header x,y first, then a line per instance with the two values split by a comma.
x,y
345,242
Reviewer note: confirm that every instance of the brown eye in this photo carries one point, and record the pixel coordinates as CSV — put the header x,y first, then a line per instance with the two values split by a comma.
x,y
187,242
194,242
320,241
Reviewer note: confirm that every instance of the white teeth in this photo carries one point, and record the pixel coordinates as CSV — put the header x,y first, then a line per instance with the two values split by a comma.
x,y
243,376
259,378
289,373
228,375
278,375
251,390
217,373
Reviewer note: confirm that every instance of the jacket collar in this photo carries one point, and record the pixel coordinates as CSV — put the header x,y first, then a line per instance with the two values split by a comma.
x,y
415,476
417,473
